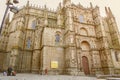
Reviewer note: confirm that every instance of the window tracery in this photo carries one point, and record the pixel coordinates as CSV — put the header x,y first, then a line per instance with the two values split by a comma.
x,y
57,38
28,42
81,18
33,24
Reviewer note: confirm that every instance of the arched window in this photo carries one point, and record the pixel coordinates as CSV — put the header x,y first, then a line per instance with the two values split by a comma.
x,y
81,18
28,42
57,38
33,24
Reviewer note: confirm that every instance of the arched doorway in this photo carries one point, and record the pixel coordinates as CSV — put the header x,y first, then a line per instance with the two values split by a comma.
x,y
85,65
85,46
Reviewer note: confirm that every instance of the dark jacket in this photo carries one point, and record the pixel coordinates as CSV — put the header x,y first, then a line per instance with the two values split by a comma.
x,y
10,69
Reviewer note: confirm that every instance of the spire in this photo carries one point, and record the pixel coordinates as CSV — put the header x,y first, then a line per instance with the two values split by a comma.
x,y
66,3
27,5
45,16
60,5
80,5
110,12
91,5
106,10
45,6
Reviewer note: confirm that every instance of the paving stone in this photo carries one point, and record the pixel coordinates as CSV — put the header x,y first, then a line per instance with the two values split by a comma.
x,y
44,77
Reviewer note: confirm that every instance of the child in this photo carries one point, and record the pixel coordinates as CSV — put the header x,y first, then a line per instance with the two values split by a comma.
x,y
13,73
4,73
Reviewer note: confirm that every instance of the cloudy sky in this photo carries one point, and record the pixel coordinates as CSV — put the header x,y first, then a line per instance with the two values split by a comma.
x,y
113,4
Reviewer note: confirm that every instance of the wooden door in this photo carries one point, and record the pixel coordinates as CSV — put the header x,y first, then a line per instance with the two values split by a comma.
x,y
85,65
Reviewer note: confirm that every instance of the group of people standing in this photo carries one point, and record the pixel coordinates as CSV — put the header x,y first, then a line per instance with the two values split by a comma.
x,y
9,72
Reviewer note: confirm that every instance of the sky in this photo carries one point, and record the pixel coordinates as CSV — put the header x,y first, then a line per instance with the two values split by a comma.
x,y
113,4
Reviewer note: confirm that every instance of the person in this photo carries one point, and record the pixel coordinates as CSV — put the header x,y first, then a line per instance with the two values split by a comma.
x,y
9,71
4,73
13,73
46,71
0,69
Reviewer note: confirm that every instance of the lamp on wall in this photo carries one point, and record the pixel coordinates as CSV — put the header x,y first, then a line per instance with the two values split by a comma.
x,y
13,9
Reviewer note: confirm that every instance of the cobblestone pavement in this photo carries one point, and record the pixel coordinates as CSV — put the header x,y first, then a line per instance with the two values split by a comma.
x,y
44,77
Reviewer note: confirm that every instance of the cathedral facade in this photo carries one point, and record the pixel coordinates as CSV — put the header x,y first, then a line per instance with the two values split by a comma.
x,y
71,40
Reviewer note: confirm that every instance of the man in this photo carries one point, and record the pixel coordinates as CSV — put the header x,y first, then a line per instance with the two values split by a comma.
x,y
46,71
9,71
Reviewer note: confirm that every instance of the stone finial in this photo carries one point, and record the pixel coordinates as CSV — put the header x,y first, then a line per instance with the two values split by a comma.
x,y
79,4
60,5
45,6
110,12
45,15
27,5
66,3
106,10
91,5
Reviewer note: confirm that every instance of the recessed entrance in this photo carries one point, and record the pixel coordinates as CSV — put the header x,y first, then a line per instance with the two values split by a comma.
x,y
85,65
